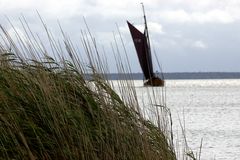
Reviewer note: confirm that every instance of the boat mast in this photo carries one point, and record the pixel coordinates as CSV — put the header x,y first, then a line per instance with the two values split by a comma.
x,y
147,36
145,23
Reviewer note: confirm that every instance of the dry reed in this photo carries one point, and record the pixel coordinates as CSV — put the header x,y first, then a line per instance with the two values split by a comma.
x,y
50,109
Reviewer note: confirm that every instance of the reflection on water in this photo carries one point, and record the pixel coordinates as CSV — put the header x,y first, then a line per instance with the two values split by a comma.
x,y
212,111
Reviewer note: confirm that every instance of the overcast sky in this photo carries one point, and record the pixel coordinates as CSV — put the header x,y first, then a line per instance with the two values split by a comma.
x,y
187,35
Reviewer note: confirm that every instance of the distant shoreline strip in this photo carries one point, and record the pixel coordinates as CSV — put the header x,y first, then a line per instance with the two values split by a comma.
x,y
175,75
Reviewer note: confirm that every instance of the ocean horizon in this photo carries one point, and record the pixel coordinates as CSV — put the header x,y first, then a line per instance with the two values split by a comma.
x,y
174,75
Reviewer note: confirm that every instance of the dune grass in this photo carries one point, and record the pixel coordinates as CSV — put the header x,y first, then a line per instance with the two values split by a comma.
x,y
50,110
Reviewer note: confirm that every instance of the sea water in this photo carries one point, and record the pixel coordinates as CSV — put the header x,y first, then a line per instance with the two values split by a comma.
x,y
209,110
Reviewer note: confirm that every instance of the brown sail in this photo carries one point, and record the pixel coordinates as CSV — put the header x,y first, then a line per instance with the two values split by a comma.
x,y
141,46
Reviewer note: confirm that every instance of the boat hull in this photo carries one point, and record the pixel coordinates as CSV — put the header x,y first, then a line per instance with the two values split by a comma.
x,y
155,81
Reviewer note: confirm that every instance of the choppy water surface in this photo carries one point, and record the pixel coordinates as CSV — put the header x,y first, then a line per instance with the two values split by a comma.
x,y
212,111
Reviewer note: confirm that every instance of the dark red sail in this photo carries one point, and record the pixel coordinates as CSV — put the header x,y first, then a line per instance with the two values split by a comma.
x,y
143,51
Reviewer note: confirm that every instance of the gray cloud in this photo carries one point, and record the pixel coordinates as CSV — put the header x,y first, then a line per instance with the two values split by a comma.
x,y
188,35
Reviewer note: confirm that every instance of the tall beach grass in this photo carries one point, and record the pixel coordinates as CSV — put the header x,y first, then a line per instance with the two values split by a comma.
x,y
50,109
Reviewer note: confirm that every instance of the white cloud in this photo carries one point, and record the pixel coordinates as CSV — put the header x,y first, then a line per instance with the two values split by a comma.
x,y
63,8
199,44
213,16
217,16
175,16
13,5
155,28
196,11
176,20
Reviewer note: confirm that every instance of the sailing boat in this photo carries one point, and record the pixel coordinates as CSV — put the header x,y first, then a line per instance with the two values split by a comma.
x,y
142,46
